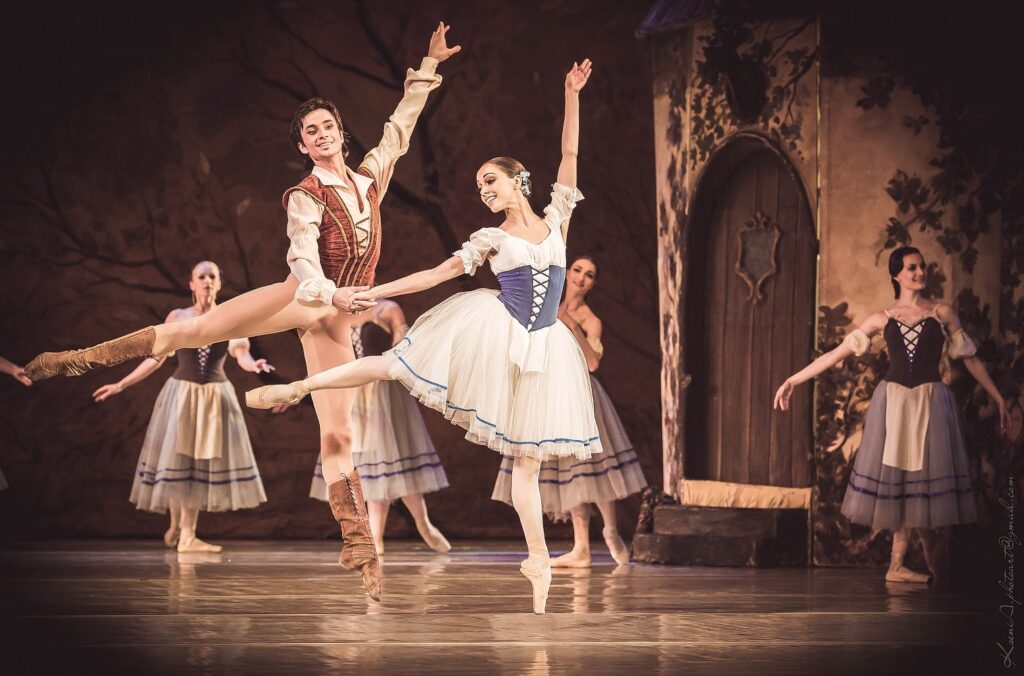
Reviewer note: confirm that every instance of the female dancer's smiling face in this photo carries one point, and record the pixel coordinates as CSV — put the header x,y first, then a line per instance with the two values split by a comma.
x,y
321,135
914,275
581,276
205,282
497,189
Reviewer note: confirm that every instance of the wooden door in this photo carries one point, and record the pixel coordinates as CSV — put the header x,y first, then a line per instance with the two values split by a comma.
x,y
750,321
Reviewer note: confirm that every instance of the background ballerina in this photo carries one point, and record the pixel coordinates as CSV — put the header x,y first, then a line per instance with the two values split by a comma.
x,y
196,456
911,472
568,485
497,363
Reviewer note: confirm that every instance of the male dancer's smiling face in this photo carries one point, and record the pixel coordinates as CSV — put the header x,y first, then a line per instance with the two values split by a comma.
x,y
321,135
496,189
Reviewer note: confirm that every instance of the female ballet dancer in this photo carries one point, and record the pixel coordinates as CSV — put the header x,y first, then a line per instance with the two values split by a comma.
x,y
394,454
499,364
911,468
334,228
18,373
196,456
567,485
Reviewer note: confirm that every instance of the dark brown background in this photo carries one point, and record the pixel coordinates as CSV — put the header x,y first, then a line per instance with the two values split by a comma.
x,y
140,139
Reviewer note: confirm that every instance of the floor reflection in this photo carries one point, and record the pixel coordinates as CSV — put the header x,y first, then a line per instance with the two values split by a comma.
x,y
287,607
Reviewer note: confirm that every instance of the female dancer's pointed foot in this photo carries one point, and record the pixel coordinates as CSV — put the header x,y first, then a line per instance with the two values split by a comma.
x,y
77,362
904,574
433,538
538,572
171,537
270,396
190,543
577,558
618,548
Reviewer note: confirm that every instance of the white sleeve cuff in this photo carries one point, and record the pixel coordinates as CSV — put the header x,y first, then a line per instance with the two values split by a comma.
x,y
857,341
315,291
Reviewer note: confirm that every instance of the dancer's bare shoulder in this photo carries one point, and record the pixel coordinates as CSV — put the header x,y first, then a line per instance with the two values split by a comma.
x,y
180,314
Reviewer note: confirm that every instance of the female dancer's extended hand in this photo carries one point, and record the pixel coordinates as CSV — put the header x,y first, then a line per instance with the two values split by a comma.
x,y
439,45
107,391
577,76
15,371
261,366
349,299
1004,418
783,395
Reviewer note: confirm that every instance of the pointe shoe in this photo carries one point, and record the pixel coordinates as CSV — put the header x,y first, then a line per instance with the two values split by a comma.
x,y
77,362
171,537
358,551
433,538
539,575
572,559
270,396
618,548
192,544
904,574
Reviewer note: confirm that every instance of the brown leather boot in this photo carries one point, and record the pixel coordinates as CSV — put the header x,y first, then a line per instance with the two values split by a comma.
x,y
357,550
77,362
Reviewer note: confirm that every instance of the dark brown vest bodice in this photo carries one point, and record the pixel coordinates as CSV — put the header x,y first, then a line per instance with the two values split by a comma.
x,y
339,251
917,363
202,364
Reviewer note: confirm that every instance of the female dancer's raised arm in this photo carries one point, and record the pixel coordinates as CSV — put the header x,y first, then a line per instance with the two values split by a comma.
x,y
575,80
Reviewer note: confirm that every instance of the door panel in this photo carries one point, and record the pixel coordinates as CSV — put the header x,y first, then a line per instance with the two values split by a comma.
x,y
739,348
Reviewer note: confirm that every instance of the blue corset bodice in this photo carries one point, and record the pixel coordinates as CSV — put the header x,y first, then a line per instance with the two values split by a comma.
x,y
532,295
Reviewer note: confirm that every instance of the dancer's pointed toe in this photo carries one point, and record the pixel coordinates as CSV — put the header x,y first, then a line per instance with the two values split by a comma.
x,y
43,366
434,538
618,548
358,551
270,396
904,574
538,572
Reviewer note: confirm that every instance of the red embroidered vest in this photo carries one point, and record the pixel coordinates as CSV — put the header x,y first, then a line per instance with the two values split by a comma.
x,y
339,251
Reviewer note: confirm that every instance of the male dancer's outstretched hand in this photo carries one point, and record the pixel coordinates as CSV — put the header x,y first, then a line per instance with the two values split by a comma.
x,y
439,48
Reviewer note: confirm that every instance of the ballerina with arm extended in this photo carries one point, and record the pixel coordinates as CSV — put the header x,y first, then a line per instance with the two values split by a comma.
x,y
197,456
497,363
910,472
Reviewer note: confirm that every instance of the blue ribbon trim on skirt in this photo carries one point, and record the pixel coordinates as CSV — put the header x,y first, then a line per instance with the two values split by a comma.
x,y
584,442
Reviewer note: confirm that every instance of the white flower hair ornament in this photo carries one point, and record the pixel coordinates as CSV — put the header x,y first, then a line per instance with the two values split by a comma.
x,y
524,182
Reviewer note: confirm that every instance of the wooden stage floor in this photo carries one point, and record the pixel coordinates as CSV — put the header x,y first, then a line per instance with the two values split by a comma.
x,y
285,607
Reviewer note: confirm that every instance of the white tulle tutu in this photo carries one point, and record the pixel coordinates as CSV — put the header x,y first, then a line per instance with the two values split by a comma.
x,y
456,360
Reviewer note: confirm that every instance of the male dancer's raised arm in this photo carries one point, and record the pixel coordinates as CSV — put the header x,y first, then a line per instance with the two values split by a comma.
x,y
379,163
